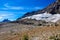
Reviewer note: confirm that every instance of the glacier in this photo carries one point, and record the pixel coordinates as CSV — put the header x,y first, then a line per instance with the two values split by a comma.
x,y
48,17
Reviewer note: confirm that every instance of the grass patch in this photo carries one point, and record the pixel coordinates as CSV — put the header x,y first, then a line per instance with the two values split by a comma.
x,y
25,37
57,37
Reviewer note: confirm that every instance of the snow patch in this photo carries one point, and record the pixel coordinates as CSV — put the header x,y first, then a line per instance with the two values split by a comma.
x,y
45,16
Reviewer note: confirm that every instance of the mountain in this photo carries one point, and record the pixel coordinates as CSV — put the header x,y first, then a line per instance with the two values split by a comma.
x,y
37,25
6,20
53,8
47,16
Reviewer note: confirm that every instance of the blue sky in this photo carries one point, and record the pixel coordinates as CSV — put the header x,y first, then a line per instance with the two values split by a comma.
x,y
13,9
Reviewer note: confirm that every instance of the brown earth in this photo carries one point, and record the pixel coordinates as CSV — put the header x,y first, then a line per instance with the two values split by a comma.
x,y
37,33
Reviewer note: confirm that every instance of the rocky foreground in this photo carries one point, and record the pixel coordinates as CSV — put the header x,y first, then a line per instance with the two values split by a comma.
x,y
16,31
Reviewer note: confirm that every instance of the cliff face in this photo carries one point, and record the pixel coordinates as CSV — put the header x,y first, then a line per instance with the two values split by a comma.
x,y
53,8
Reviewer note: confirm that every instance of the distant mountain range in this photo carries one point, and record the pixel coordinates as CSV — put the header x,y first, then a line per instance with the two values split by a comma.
x,y
6,20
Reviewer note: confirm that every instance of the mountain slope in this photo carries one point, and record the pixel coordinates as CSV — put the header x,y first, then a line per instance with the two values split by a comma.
x,y
53,8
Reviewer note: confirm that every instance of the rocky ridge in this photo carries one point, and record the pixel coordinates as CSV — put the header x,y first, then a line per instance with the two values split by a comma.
x,y
53,8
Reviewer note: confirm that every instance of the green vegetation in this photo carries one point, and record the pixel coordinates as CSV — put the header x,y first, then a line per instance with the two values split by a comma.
x,y
25,37
57,37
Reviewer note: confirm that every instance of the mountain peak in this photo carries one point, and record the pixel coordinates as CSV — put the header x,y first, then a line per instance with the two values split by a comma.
x,y
53,8
6,20
51,13
58,1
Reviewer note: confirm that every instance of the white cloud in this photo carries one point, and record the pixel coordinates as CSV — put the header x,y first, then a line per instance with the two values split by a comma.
x,y
37,7
5,14
17,8
7,7
1,17
10,15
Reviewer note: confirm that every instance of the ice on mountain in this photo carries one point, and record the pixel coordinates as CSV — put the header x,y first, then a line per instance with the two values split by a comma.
x,y
54,18
41,16
45,16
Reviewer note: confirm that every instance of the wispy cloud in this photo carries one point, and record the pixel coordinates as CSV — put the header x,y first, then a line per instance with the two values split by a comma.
x,y
6,5
9,7
37,8
5,14
10,15
1,17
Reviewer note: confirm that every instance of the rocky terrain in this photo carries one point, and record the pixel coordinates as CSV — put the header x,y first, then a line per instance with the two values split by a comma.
x,y
18,31
34,26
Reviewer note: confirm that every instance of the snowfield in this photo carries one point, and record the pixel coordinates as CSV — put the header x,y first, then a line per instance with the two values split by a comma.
x,y
45,16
